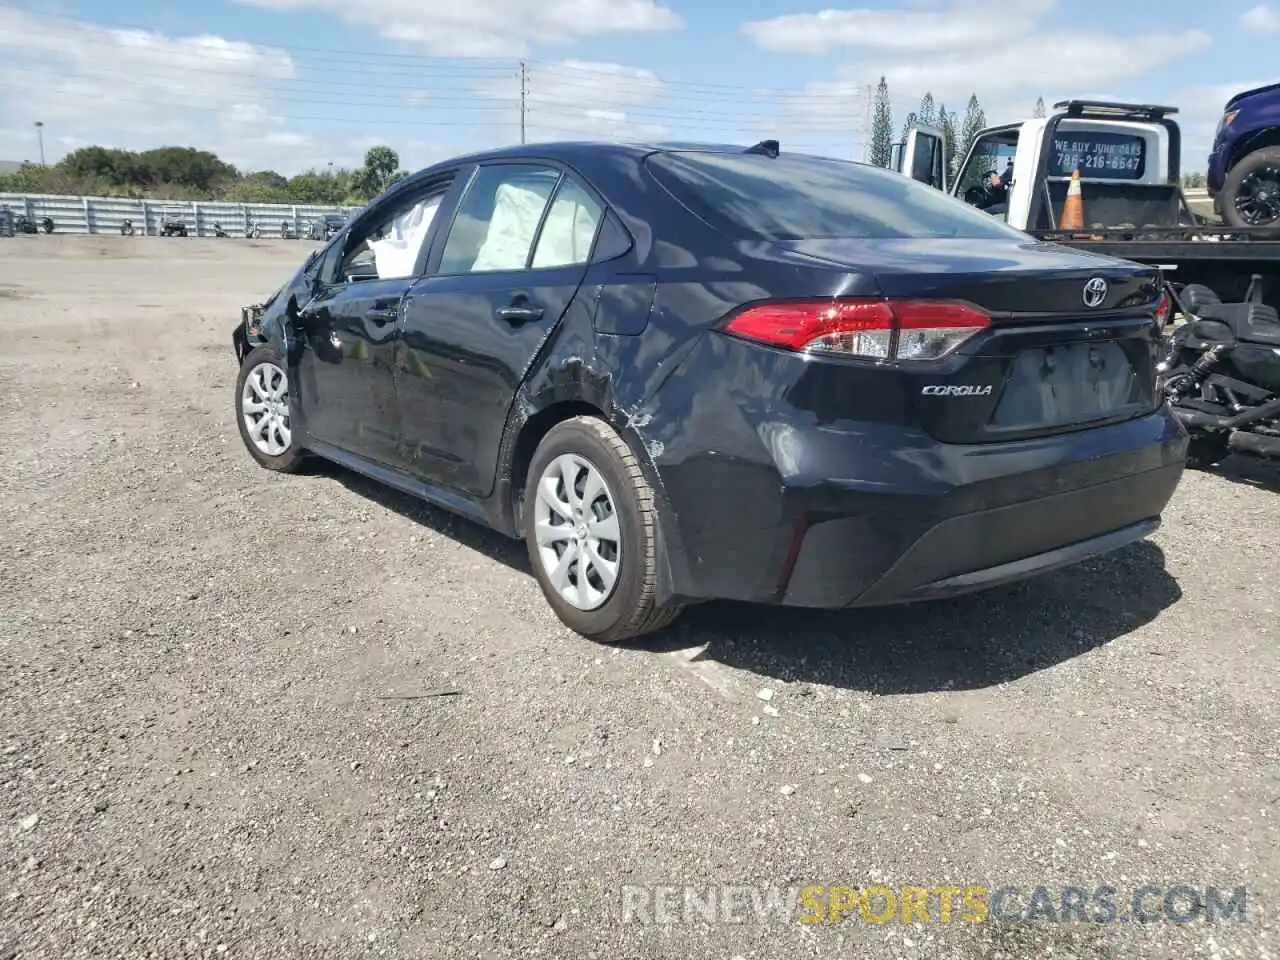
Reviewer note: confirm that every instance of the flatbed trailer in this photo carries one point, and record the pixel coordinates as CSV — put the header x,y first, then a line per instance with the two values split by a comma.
x,y
1224,260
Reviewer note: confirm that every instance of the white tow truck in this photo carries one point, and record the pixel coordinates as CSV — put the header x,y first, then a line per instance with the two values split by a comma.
x,y
1129,158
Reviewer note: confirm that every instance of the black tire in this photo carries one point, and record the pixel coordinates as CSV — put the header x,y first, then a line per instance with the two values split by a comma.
x,y
1208,451
1250,163
632,609
291,458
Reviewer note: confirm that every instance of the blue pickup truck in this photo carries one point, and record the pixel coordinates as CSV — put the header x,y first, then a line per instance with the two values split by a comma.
x,y
1244,166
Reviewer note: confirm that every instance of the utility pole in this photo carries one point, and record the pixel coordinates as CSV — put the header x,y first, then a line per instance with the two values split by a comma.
x,y
524,97
40,137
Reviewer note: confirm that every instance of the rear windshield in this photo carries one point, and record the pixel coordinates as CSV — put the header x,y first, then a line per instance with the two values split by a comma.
x,y
807,198
1098,155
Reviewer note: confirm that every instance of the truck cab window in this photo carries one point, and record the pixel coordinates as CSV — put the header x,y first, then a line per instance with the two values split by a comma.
x,y
992,153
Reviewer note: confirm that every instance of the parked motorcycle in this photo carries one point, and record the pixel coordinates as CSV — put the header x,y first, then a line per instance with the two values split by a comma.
x,y
1221,375
253,230
126,228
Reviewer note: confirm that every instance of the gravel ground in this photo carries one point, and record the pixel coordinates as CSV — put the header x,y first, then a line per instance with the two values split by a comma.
x,y
219,735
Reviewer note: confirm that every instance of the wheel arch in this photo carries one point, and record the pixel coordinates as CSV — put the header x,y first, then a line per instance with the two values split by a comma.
x,y
532,419
1247,144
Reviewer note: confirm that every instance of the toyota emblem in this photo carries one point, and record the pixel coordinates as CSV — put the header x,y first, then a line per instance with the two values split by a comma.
x,y
1095,292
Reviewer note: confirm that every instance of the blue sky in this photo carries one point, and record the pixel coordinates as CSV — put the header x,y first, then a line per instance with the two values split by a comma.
x,y
296,84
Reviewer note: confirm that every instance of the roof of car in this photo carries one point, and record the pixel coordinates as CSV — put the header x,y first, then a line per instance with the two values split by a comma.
x,y
569,150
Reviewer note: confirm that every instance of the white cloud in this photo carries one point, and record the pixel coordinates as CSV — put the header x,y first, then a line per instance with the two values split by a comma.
x,y
491,28
137,89
965,27
576,98
1200,109
949,53
1261,19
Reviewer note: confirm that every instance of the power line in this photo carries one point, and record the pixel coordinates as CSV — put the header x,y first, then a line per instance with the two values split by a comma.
x,y
529,111
414,65
546,97
568,81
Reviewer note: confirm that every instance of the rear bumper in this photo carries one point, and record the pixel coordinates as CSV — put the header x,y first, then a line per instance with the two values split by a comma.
x,y
985,548
873,515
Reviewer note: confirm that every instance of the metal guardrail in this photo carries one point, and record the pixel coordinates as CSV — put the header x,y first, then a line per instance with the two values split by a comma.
x,y
107,214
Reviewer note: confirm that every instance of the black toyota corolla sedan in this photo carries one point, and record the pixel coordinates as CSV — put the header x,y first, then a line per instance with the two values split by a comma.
x,y
684,371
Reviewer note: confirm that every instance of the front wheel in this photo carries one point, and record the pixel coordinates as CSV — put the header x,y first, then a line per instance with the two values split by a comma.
x,y
262,410
591,527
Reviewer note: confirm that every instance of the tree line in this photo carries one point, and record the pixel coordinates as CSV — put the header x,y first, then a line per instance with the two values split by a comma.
x,y
958,132
185,173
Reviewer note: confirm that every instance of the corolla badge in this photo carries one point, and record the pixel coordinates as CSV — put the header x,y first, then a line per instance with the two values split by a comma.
x,y
957,390
1095,292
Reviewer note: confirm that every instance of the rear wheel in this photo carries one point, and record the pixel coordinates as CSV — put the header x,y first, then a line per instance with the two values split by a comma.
x,y
591,530
1251,193
262,410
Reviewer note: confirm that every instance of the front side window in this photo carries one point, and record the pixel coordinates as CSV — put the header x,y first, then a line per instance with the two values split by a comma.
x,y
391,248
802,198
498,218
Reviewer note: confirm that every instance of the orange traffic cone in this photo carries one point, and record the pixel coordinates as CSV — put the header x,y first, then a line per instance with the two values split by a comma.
x,y
1073,207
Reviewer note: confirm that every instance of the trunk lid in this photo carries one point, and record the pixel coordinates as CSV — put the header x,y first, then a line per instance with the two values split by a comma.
x,y
1063,352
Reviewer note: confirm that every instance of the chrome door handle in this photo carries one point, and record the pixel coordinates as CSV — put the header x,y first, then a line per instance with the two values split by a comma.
x,y
519,313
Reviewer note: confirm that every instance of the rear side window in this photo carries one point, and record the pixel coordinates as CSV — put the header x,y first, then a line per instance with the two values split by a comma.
x,y
806,198
498,219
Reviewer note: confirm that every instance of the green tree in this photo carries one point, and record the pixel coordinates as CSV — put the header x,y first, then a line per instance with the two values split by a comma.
x,y
1040,109
911,121
186,167
315,187
266,178
947,121
121,168
974,121
927,113
881,128
381,169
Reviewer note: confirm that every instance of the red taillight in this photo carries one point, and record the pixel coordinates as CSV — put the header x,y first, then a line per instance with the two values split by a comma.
x,y
875,329
1163,307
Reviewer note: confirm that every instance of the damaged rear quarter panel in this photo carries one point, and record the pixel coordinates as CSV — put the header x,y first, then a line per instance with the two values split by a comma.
x,y
669,392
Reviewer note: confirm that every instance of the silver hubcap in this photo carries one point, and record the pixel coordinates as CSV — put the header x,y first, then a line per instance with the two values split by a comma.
x,y
576,527
264,404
